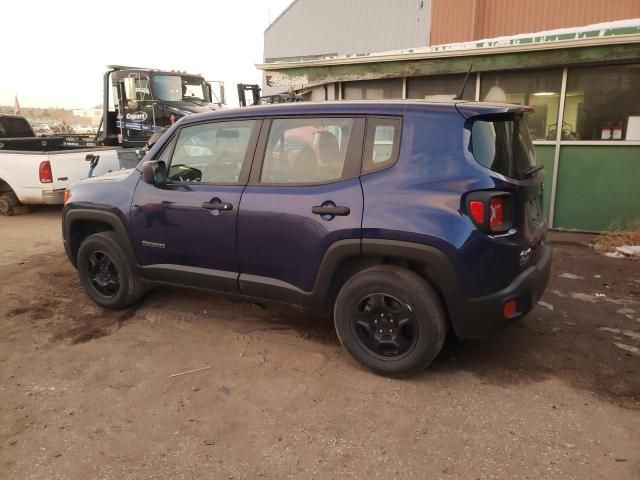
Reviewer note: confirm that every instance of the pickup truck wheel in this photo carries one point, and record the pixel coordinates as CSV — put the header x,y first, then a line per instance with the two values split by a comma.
x,y
8,204
390,320
106,273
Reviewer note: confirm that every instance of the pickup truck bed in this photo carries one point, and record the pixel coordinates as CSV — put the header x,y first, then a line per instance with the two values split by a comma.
x,y
37,170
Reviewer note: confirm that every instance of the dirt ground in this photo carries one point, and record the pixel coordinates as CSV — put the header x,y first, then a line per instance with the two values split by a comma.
x,y
87,393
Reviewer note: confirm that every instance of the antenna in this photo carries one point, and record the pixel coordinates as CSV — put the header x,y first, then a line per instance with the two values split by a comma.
x,y
464,84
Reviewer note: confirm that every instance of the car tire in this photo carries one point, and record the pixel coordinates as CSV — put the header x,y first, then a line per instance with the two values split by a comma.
x,y
390,320
8,204
106,273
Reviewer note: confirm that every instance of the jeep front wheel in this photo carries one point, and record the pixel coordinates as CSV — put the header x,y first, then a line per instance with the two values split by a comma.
x,y
106,273
390,320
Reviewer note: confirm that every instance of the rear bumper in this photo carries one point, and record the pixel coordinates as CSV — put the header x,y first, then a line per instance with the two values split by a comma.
x,y
478,317
53,197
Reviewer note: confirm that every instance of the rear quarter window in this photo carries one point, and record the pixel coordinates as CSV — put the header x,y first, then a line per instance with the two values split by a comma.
x,y
382,143
504,145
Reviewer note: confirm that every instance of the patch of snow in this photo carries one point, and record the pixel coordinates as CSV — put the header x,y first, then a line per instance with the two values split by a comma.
x,y
627,333
585,297
546,305
614,255
571,276
630,250
628,348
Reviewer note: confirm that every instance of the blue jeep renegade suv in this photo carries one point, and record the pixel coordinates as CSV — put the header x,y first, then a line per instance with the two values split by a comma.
x,y
401,220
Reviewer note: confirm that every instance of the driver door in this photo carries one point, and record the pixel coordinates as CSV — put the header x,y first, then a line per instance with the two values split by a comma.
x,y
185,232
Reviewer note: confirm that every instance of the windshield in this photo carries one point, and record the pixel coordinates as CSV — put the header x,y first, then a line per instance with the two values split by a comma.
x,y
174,88
504,146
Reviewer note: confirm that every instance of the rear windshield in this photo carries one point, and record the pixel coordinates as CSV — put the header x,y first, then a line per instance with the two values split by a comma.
x,y
504,146
12,127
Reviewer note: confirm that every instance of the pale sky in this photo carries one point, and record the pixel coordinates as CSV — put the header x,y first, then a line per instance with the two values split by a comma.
x,y
55,52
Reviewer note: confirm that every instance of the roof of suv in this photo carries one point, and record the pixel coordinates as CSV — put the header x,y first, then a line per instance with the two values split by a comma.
x,y
342,107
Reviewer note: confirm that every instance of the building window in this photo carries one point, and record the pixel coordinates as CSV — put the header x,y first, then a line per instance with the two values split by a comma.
x,y
538,88
373,89
603,103
448,85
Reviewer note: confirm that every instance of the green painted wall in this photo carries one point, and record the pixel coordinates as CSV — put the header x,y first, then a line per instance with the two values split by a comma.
x,y
545,154
597,184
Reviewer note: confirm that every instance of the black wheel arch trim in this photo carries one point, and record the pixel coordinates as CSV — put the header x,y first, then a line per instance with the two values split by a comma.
x,y
436,265
111,219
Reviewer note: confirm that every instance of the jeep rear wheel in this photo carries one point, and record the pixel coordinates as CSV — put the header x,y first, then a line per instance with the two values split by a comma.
x,y
390,320
106,273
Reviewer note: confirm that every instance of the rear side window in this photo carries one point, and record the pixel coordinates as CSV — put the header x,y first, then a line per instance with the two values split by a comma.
x,y
504,146
307,150
382,143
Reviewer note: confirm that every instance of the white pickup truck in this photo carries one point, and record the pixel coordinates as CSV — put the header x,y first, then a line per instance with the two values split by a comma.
x,y
37,170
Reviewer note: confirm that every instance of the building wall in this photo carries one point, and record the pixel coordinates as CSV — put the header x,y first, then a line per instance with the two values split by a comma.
x,y
464,20
310,27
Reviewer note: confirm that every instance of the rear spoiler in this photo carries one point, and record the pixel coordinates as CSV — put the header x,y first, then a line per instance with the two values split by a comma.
x,y
477,109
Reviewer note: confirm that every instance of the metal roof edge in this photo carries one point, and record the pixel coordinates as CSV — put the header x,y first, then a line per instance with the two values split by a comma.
x,y
279,16
424,55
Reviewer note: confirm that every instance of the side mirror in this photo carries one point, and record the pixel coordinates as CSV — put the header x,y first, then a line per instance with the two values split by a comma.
x,y
154,172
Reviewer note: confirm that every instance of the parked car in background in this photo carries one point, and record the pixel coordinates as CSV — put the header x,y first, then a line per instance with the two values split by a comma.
x,y
37,170
84,129
42,129
402,220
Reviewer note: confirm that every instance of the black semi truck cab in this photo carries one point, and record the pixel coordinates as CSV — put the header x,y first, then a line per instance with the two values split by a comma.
x,y
141,101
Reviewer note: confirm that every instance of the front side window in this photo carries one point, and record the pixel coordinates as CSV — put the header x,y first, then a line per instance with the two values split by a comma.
x,y
137,87
306,150
211,153
602,103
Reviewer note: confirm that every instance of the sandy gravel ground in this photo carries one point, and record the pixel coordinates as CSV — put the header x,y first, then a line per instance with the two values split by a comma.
x,y
87,394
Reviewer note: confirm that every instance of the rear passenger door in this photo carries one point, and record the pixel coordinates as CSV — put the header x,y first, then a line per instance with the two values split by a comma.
x,y
304,194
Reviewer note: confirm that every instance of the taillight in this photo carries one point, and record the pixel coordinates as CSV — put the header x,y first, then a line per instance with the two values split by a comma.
x,y
490,211
46,176
476,209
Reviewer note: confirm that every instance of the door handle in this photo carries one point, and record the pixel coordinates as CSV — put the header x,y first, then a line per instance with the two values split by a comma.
x,y
330,209
218,205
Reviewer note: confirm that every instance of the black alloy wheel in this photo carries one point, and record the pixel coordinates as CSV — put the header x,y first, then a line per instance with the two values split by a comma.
x,y
103,274
107,273
385,325
390,320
